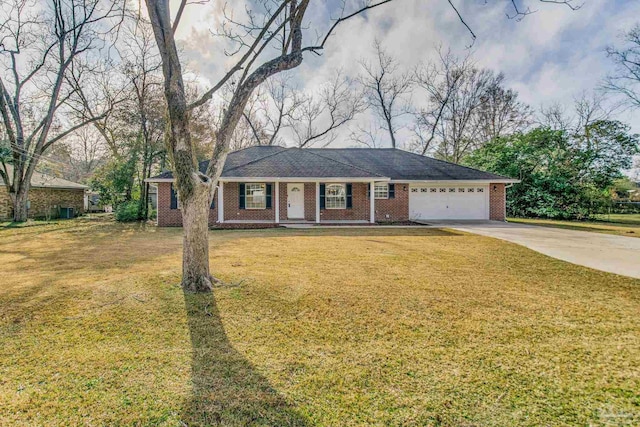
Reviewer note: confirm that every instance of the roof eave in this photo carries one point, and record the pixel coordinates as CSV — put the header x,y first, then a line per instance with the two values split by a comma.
x,y
453,181
280,179
60,187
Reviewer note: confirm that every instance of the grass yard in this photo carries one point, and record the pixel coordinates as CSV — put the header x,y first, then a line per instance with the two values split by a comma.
x,y
617,224
366,327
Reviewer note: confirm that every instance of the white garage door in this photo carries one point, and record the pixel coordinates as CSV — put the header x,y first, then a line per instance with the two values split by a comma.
x,y
449,202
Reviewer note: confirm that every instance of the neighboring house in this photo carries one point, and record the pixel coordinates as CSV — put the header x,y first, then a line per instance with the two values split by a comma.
x,y
268,184
47,196
94,204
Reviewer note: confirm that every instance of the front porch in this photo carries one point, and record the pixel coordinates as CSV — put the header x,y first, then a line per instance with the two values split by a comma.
x,y
304,202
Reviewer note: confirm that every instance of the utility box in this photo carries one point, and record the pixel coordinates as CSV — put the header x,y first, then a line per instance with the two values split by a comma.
x,y
67,213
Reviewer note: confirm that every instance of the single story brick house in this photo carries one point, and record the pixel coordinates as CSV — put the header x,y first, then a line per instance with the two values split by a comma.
x,y
273,185
47,195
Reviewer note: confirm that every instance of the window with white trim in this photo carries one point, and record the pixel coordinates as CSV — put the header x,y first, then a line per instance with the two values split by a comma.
x,y
381,191
335,196
255,196
178,201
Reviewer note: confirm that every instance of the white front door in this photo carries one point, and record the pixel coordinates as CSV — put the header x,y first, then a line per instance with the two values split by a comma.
x,y
295,201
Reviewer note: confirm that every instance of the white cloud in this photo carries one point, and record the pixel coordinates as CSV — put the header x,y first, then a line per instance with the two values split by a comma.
x,y
550,56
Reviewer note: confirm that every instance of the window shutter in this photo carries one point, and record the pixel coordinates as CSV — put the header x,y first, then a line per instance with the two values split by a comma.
x,y
369,191
322,196
392,191
349,196
213,201
174,198
241,195
268,196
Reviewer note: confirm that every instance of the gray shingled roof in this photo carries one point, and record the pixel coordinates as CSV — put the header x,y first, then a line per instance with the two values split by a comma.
x,y
41,180
403,165
281,162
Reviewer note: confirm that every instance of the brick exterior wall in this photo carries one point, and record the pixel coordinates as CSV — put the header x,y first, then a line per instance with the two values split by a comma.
x,y
168,217
397,209
283,200
359,211
310,201
497,202
232,211
45,202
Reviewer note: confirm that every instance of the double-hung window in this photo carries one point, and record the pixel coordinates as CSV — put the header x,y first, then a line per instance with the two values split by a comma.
x,y
381,191
255,196
335,196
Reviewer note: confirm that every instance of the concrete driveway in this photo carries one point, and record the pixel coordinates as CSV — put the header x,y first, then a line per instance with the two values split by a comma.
x,y
614,254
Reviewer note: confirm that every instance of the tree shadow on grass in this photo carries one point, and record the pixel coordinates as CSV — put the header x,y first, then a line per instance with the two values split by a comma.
x,y
227,389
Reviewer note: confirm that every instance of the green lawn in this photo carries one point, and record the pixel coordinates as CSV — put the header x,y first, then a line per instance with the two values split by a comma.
x,y
617,224
633,219
336,327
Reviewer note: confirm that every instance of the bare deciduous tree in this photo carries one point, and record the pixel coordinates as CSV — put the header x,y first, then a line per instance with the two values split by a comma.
x,y
309,118
465,107
39,49
320,115
277,105
77,156
386,89
269,41
277,26
440,82
587,109
626,79
501,113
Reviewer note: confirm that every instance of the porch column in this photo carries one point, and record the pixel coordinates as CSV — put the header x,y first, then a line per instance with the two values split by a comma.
x,y
220,202
277,184
318,202
372,202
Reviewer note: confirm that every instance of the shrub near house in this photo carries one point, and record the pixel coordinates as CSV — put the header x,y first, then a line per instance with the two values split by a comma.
x,y
562,176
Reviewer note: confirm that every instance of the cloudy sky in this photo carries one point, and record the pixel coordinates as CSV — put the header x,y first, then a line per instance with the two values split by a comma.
x,y
551,56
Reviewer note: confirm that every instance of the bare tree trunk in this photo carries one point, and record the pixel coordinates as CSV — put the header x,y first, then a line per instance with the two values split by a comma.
x,y
195,249
19,200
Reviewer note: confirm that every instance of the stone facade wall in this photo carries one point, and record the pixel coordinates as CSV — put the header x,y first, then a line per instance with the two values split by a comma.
x,y
396,209
497,202
45,202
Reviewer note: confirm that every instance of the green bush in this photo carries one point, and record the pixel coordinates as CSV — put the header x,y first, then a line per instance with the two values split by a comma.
x,y
127,211
562,175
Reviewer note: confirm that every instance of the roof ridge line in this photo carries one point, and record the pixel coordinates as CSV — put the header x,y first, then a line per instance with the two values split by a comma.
x,y
259,158
452,163
346,164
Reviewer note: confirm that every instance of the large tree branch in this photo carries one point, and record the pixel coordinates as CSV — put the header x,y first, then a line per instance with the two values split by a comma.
x,y
239,65
71,130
